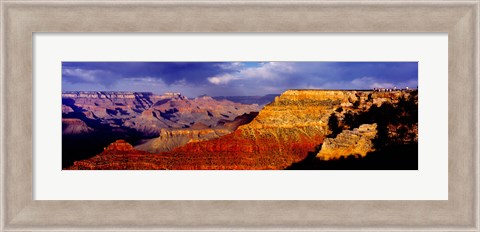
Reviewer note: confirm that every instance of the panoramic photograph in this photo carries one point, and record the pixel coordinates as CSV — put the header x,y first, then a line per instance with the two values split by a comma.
x,y
239,115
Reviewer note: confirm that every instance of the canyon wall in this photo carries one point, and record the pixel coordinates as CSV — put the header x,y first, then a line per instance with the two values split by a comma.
x,y
284,132
92,120
146,113
357,142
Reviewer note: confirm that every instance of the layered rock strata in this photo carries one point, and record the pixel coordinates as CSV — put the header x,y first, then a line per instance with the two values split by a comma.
x,y
120,155
148,113
173,138
284,132
357,142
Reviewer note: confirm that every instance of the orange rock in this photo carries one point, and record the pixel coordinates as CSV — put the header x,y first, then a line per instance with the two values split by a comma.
x,y
349,142
119,145
283,133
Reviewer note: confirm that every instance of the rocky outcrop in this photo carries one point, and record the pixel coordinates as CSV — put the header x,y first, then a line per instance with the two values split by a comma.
x,y
67,109
75,126
120,155
119,145
357,142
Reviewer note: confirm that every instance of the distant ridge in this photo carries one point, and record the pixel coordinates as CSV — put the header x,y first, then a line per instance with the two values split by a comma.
x,y
259,100
348,90
106,92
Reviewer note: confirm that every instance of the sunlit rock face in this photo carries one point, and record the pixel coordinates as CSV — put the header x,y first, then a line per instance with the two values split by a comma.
x,y
357,142
284,132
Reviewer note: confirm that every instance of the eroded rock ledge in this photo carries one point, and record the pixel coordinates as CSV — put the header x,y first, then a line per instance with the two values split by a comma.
x,y
349,142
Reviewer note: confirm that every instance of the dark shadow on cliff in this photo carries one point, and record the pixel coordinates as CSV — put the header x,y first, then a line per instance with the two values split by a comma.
x,y
399,152
85,146
307,162
80,147
394,157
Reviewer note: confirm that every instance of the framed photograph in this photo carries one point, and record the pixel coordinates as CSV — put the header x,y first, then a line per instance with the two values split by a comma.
x,y
239,115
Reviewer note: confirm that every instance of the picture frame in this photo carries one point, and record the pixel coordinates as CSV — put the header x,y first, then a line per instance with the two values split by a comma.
x,y
21,19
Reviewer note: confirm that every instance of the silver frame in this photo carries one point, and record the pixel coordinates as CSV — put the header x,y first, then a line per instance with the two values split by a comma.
x,y
21,18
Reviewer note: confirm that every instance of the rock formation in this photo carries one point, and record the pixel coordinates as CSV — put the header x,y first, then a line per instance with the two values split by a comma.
x,y
179,112
173,138
107,105
120,155
119,145
148,113
75,126
357,142
284,132
170,139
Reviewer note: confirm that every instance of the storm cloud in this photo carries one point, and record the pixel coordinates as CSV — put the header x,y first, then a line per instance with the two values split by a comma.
x,y
235,78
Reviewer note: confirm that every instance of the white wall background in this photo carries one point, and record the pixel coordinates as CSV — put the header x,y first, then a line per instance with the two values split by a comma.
x,y
430,182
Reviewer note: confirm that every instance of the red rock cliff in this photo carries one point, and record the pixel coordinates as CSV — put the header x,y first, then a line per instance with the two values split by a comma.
x,y
284,132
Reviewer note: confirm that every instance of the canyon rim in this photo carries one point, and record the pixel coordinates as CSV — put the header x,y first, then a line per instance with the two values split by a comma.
x,y
240,115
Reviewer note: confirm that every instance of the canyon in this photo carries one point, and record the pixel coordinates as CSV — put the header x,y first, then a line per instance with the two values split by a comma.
x,y
146,113
90,120
216,133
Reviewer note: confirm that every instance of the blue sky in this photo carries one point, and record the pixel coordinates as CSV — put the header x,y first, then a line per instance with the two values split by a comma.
x,y
235,78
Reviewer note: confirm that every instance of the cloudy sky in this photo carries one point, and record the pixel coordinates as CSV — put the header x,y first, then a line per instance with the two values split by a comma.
x,y
235,78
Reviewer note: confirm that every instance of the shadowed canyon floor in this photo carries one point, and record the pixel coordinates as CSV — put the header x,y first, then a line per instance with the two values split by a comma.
x,y
358,129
